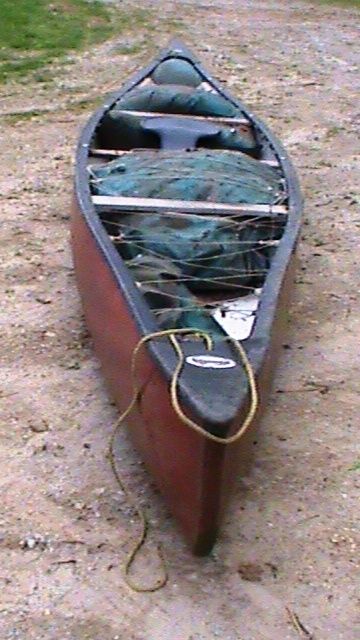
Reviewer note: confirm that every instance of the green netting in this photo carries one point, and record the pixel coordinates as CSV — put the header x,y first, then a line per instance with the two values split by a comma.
x,y
177,99
212,176
212,253
175,257
160,282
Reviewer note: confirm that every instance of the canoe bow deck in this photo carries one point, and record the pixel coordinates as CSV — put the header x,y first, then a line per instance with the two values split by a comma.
x,y
136,136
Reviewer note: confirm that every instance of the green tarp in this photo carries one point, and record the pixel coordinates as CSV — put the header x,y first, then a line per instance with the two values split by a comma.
x,y
172,257
208,175
212,253
160,282
177,99
176,71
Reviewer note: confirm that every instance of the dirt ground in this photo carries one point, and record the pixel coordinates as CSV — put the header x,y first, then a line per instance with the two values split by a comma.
x,y
290,538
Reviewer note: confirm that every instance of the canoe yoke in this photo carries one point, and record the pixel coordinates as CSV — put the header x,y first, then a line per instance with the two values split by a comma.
x,y
174,133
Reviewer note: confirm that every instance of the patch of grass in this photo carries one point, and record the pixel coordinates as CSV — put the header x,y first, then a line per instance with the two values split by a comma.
x,y
33,33
129,49
173,24
16,117
77,106
342,3
43,75
355,466
333,131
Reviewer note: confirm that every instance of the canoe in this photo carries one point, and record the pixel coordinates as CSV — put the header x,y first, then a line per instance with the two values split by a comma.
x,y
185,221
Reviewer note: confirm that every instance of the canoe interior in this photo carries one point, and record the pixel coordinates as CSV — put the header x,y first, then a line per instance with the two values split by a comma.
x,y
175,150
151,127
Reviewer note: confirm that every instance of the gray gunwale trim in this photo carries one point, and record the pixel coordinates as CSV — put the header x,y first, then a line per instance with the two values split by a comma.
x,y
162,351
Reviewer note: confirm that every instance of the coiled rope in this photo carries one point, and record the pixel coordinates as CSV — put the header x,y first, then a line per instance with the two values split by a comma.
x,y
172,335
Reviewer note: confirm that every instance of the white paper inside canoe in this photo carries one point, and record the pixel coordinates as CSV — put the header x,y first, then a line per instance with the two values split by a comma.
x,y
237,317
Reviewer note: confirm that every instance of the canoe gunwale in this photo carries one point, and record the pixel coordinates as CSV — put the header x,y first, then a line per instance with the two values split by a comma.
x,y
258,343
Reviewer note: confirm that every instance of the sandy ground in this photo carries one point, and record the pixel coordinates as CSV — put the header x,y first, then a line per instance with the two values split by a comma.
x,y
290,539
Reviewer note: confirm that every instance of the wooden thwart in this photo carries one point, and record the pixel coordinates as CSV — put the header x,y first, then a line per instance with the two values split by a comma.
x,y
156,114
122,203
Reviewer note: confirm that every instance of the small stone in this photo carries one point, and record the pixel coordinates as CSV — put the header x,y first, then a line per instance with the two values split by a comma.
x,y
39,427
29,543
74,364
250,571
34,540
99,491
43,299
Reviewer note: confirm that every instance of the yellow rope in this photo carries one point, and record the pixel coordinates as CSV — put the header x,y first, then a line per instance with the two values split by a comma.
x,y
143,522
171,334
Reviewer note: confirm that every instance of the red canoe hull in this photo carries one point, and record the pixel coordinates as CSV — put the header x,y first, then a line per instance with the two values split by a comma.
x,y
194,474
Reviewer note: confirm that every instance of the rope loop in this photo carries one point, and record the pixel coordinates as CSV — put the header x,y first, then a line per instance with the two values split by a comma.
x,y
209,343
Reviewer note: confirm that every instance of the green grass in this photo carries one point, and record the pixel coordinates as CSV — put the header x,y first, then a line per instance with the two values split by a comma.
x,y
15,117
33,33
341,3
355,466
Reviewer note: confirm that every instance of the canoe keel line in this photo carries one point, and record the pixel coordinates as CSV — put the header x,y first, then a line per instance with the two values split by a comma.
x,y
184,248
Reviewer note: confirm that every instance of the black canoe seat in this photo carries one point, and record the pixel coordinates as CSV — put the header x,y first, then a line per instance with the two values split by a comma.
x,y
121,129
174,133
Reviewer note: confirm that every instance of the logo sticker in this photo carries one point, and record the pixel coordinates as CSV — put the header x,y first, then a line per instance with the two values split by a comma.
x,y
211,362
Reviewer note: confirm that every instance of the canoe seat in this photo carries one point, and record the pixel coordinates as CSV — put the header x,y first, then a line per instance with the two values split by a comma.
x,y
121,129
174,133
